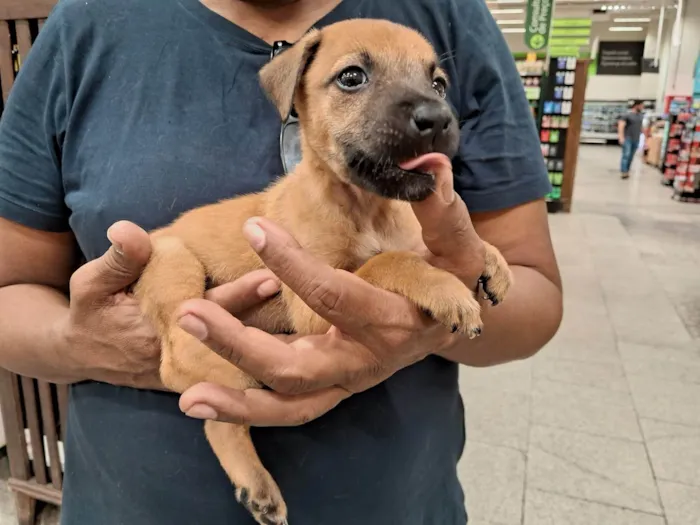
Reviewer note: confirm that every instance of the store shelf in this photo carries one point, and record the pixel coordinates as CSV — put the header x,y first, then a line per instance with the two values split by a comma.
x,y
686,178
600,118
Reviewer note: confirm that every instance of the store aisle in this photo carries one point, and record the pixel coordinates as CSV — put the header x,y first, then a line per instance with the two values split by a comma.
x,y
603,426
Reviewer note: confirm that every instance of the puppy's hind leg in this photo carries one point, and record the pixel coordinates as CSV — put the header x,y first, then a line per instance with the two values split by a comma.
x,y
255,488
174,275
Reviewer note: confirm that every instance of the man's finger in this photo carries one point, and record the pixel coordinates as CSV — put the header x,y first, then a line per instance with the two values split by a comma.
x,y
242,294
340,297
260,408
119,267
293,368
447,229
444,217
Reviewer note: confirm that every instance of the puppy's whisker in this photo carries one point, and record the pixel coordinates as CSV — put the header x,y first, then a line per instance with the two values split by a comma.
x,y
448,55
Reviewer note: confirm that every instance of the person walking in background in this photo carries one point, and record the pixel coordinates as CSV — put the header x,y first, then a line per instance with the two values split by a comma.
x,y
629,129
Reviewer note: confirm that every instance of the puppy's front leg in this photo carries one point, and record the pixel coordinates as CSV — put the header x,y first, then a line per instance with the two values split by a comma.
x,y
497,277
437,292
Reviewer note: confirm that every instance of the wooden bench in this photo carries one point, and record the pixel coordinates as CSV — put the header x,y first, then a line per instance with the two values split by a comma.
x,y
33,412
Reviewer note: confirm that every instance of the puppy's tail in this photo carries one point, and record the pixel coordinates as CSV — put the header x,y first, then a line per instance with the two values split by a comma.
x,y
173,275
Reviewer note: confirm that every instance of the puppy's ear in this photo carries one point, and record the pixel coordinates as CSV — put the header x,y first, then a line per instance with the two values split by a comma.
x,y
281,77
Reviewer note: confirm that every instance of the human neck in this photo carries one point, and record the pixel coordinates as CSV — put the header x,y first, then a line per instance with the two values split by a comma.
x,y
272,20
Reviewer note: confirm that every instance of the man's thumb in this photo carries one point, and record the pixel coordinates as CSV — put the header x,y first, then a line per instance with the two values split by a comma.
x,y
444,218
121,265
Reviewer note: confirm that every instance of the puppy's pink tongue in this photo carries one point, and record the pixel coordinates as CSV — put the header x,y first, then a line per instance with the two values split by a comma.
x,y
430,162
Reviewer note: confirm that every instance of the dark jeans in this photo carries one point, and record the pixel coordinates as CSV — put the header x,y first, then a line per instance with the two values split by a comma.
x,y
629,148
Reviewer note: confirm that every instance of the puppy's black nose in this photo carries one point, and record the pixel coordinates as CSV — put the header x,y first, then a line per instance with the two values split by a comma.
x,y
431,119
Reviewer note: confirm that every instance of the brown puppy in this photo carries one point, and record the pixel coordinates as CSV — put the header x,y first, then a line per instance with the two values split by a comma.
x,y
370,97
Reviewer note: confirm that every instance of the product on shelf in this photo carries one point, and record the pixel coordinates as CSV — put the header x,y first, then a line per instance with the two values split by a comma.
x,y
531,76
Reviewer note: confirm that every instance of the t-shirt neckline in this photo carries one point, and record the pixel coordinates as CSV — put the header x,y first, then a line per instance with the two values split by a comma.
x,y
238,36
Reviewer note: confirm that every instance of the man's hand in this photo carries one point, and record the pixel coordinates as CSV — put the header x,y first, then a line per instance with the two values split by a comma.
x,y
375,333
105,335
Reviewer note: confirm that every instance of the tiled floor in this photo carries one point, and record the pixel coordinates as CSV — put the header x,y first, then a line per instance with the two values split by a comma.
x,y
603,426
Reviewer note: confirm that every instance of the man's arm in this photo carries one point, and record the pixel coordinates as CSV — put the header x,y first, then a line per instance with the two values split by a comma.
x,y
621,126
532,311
29,313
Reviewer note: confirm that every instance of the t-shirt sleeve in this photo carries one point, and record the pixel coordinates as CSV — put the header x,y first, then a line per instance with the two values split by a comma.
x,y
32,127
500,161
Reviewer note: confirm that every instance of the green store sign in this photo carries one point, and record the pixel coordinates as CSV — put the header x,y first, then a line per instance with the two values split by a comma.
x,y
570,36
537,23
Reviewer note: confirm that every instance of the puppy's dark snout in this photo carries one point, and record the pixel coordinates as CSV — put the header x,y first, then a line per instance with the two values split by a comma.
x,y
430,119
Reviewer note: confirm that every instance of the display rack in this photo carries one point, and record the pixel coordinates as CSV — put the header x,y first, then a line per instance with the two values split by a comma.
x,y
600,119
686,182
563,93
673,145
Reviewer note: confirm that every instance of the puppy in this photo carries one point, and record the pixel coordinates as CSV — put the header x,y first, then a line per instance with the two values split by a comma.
x,y
370,98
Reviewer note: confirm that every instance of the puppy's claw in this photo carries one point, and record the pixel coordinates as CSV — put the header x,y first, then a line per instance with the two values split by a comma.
x,y
263,506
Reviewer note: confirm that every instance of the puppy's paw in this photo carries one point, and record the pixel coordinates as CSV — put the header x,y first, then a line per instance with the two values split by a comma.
x,y
497,277
264,502
438,293
444,298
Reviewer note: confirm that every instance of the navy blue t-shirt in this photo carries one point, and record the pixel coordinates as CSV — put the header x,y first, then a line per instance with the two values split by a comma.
x,y
142,109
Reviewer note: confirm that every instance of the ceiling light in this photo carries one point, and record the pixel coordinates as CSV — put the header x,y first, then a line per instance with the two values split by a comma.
x,y
507,11
627,28
626,20
513,22
513,30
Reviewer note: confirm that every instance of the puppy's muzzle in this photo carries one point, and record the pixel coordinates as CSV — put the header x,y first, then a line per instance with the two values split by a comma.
x,y
429,125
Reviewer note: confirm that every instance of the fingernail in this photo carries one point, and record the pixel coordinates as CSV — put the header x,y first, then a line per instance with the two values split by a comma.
x,y
448,190
254,235
193,326
268,288
202,412
116,245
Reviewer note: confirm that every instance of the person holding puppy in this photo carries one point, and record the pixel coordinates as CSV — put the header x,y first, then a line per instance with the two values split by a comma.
x,y
163,113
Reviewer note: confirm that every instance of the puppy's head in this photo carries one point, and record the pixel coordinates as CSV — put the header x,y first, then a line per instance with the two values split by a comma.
x,y
370,96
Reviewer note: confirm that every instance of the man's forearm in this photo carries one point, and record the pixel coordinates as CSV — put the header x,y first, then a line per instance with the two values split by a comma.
x,y
29,341
516,329
621,130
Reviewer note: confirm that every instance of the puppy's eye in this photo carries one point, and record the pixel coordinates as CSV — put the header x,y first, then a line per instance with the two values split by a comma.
x,y
440,87
352,78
